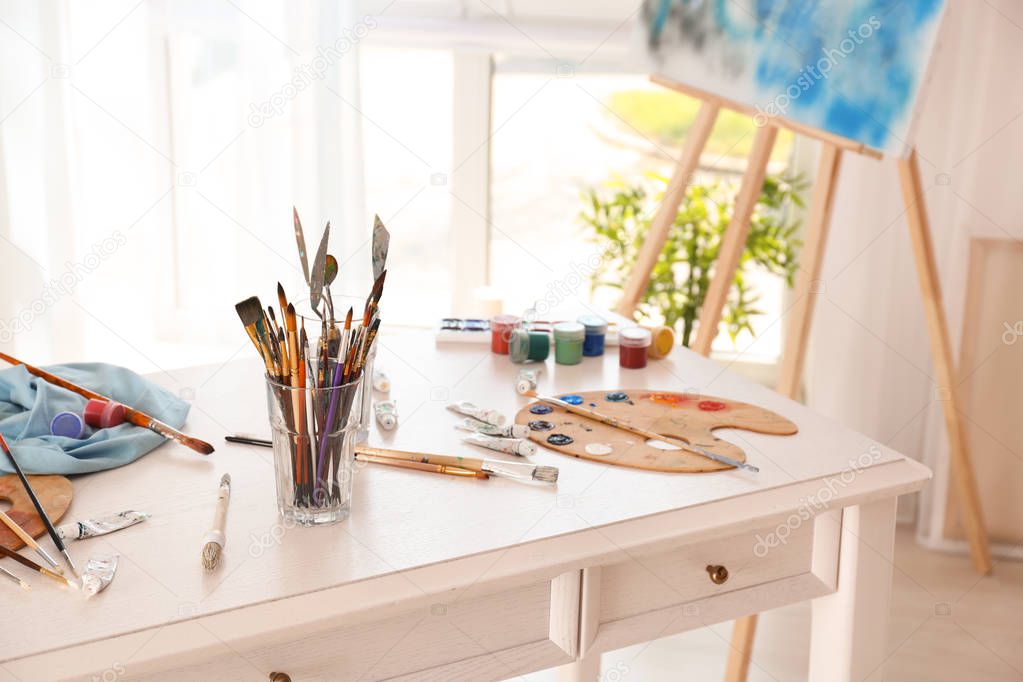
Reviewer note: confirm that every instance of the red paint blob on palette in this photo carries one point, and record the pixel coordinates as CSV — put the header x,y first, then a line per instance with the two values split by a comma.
x,y
673,399
711,405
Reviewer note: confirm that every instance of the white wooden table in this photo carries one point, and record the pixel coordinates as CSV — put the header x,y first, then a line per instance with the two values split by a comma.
x,y
442,578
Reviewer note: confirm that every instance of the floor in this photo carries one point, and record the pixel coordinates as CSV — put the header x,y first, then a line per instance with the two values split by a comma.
x,y
948,624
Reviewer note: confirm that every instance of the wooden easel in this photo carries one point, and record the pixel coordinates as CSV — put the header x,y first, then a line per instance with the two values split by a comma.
x,y
801,313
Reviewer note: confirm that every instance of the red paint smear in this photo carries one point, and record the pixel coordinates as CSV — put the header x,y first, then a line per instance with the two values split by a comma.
x,y
673,399
711,405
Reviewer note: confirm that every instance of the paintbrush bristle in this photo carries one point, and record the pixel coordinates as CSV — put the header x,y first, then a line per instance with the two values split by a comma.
x,y
211,555
200,446
545,474
291,319
250,311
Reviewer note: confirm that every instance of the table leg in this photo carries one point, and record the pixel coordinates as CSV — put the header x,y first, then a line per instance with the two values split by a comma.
x,y
586,669
850,627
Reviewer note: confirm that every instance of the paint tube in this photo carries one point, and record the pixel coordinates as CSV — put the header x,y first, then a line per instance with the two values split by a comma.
x,y
527,381
484,415
381,382
91,528
99,573
510,446
387,414
509,431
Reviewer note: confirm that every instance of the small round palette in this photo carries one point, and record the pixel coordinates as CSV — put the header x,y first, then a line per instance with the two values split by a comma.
x,y
691,418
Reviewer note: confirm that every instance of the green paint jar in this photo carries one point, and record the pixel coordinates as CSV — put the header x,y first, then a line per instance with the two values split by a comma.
x,y
568,343
527,345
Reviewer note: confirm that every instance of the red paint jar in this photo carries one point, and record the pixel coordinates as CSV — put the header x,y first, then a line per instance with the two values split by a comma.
x,y
633,343
501,327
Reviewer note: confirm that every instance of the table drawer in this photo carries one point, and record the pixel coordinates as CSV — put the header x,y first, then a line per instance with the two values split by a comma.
x,y
483,635
661,592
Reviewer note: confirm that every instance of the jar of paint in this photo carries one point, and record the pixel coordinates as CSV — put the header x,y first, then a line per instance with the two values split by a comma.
x,y
595,328
568,343
528,345
633,343
663,340
501,327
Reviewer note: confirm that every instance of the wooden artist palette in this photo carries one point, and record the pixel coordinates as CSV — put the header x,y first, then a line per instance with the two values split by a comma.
x,y
54,493
686,417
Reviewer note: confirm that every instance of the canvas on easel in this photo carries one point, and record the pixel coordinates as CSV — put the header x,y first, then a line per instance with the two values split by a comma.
x,y
848,73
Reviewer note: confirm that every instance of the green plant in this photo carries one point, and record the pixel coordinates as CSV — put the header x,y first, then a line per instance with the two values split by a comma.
x,y
620,215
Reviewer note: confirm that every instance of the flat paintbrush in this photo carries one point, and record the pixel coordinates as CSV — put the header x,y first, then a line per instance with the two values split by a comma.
x,y
137,417
250,312
25,561
39,507
513,470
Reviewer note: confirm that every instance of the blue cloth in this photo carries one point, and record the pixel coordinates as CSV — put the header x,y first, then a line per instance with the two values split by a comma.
x,y
28,403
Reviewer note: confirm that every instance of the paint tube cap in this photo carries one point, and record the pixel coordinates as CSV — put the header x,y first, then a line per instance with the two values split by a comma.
x,y
594,324
68,425
102,414
525,448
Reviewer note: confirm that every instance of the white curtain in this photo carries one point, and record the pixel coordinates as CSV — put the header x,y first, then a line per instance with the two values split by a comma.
x,y
150,154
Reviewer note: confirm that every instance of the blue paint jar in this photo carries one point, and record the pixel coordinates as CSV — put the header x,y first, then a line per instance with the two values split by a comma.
x,y
596,330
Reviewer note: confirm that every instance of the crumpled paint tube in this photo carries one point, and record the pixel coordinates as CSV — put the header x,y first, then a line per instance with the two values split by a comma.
x,y
90,528
99,573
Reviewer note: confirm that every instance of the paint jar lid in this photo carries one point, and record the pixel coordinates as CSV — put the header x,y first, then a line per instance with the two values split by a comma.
x,y
518,345
663,342
595,324
68,425
102,414
634,337
503,323
569,331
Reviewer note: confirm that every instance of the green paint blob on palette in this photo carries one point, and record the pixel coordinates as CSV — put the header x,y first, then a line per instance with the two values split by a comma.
x,y
681,416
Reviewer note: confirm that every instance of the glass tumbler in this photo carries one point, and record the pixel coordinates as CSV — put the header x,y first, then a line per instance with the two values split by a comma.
x,y
314,431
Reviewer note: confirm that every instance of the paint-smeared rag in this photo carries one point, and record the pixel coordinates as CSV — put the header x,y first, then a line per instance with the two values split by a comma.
x,y
28,404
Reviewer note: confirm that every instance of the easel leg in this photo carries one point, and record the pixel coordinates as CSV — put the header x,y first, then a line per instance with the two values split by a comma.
x,y
800,319
743,634
668,210
801,314
734,241
941,349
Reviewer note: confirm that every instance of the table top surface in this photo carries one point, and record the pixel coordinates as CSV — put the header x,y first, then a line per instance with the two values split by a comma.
x,y
400,519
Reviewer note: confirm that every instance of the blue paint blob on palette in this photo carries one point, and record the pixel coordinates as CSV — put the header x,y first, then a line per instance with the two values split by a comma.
x,y
572,399
541,409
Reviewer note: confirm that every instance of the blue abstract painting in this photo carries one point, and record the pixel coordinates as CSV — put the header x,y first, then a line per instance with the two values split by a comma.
x,y
850,67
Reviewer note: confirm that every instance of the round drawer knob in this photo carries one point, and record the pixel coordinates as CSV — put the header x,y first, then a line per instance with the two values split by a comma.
x,y
279,677
718,574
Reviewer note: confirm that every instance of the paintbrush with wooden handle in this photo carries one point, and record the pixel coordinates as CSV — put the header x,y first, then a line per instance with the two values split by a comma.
x,y
137,417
